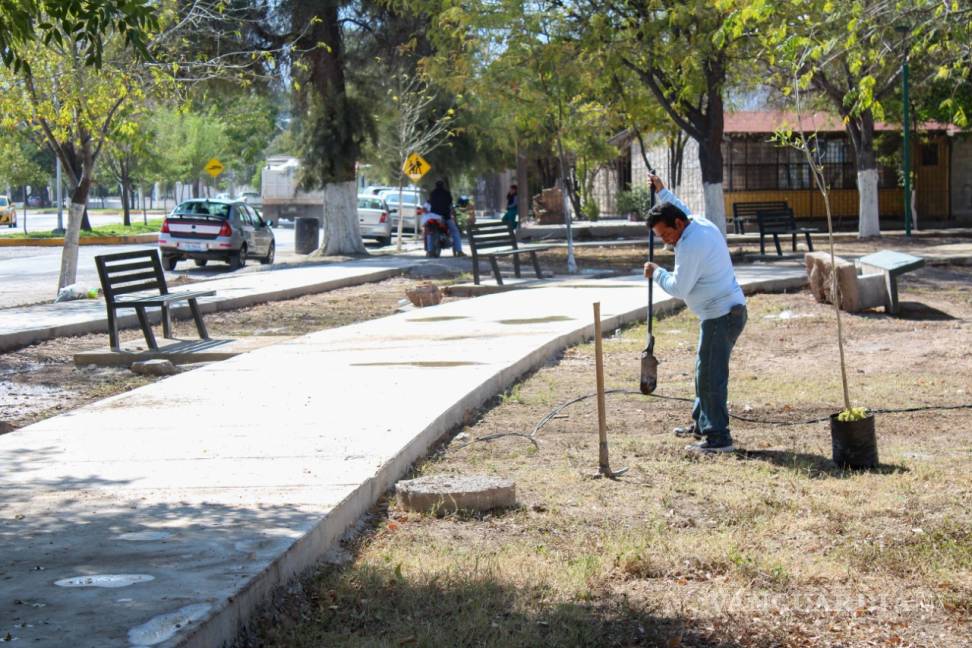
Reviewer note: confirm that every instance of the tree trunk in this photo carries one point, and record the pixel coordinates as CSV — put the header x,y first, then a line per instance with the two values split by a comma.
x,y
710,161
72,233
861,131
335,127
342,234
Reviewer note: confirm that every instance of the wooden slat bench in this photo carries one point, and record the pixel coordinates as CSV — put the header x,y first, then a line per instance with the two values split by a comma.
x,y
781,222
745,212
494,238
126,273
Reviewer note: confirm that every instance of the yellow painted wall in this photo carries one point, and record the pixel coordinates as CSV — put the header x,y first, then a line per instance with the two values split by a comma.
x,y
807,203
931,188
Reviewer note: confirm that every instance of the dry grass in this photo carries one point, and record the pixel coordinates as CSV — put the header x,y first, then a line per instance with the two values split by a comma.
x,y
772,546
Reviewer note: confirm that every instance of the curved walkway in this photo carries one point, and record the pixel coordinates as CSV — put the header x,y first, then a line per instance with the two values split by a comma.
x,y
164,515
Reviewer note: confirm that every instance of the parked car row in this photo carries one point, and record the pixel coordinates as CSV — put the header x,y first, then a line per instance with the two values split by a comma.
x,y
410,207
232,231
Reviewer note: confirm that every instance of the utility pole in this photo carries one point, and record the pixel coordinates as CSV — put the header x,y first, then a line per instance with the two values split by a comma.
x,y
906,125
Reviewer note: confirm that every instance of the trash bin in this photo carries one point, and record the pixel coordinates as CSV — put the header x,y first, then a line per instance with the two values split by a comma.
x,y
307,235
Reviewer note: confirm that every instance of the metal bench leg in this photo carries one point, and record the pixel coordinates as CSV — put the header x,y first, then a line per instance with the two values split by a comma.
x,y
113,330
146,328
809,242
475,261
794,241
536,265
516,266
196,315
776,242
166,323
762,245
496,272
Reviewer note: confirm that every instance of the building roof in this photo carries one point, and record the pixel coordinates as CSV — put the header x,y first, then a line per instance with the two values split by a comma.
x,y
770,121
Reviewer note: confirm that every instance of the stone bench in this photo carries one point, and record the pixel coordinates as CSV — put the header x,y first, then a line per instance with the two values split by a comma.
x,y
869,283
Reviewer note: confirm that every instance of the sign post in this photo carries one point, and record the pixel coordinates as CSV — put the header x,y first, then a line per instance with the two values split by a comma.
x,y
414,167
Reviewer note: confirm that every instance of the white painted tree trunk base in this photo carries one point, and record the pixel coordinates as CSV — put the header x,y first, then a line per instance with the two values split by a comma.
x,y
715,205
69,256
342,236
868,223
914,210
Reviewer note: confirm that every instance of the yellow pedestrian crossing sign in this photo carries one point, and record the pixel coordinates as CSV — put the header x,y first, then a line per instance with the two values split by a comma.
x,y
415,167
214,167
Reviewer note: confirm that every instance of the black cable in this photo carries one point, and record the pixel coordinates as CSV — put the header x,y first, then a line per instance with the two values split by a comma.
x,y
557,410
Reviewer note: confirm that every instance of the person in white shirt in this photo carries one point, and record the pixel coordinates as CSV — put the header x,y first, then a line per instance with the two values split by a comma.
x,y
703,277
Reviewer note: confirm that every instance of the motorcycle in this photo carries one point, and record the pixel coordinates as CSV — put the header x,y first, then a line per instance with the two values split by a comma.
x,y
435,233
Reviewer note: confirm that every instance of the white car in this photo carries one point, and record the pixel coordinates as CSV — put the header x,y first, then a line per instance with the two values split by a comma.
x,y
374,218
410,208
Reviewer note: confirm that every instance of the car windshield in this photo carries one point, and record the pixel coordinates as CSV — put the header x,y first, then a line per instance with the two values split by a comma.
x,y
370,203
203,209
3,201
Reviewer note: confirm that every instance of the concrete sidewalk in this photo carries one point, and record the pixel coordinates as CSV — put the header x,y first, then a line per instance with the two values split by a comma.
x,y
162,516
23,325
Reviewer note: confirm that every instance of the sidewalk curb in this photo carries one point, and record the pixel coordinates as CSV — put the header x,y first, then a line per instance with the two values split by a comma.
x,y
90,240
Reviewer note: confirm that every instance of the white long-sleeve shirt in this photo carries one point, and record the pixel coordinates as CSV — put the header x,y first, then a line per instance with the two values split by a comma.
x,y
703,275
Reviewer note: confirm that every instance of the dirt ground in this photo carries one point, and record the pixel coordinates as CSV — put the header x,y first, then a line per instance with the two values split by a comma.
x,y
41,380
771,546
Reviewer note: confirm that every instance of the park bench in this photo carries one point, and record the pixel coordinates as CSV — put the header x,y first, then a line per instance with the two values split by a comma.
x,y
745,212
494,239
135,280
781,222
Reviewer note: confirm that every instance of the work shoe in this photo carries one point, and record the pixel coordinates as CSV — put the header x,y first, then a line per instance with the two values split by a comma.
x,y
688,431
707,447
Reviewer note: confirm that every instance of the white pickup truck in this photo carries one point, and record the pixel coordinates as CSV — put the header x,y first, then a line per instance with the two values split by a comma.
x,y
282,196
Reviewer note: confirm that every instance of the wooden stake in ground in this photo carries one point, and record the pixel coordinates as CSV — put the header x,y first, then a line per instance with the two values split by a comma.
x,y
604,464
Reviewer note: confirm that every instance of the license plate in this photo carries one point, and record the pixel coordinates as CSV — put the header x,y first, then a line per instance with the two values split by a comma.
x,y
194,247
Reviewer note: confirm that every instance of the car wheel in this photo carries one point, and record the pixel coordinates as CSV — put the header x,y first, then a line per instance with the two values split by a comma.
x,y
169,262
200,263
238,259
269,258
384,240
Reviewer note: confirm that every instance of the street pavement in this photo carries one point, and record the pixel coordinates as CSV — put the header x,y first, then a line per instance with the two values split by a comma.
x,y
23,325
164,515
29,275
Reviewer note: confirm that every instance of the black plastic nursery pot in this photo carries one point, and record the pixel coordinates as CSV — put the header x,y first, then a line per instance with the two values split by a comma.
x,y
854,442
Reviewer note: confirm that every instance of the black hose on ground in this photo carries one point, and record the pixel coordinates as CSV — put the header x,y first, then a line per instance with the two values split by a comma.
x,y
549,416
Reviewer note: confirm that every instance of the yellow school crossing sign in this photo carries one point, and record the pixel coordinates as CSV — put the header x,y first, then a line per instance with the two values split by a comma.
x,y
415,167
214,167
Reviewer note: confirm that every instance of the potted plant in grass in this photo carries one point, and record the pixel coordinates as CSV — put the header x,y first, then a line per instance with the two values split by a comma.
x,y
853,440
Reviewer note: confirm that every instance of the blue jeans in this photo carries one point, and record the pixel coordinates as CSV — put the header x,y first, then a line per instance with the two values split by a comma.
x,y
716,339
456,235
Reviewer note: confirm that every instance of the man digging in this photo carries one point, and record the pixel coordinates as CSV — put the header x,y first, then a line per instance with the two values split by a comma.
x,y
704,279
